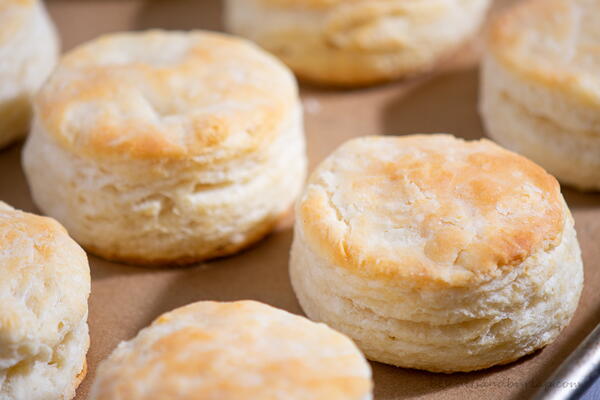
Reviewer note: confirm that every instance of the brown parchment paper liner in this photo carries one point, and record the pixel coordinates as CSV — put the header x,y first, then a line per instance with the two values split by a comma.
x,y
125,299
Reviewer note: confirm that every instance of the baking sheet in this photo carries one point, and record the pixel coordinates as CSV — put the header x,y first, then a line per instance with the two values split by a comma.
x,y
125,299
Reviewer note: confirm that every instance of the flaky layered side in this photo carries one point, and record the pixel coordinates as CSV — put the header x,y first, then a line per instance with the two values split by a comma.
x,y
434,253
167,147
569,153
360,42
444,329
43,308
540,93
177,212
234,351
29,50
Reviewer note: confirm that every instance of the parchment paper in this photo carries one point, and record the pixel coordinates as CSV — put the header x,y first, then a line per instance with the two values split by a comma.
x,y
125,299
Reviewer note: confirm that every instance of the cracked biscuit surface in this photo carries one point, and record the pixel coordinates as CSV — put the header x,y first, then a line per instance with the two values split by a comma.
x,y
167,147
436,253
229,351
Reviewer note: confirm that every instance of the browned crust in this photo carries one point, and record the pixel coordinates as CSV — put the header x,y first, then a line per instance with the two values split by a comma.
x,y
81,376
508,245
506,42
147,141
259,233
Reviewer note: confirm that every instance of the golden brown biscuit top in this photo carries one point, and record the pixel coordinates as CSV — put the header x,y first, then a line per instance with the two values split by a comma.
x,y
45,282
13,15
429,208
555,42
167,94
229,351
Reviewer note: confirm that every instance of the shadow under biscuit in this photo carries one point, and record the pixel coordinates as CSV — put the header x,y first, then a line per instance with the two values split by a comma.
x,y
139,295
258,273
403,383
581,200
180,14
447,103
576,336
14,189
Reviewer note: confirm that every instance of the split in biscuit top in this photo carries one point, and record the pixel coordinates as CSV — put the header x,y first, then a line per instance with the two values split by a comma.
x,y
430,208
167,94
554,42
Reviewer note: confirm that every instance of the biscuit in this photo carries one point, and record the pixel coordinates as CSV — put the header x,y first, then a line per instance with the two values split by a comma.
x,y
540,88
28,50
228,351
435,253
43,308
167,147
360,42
